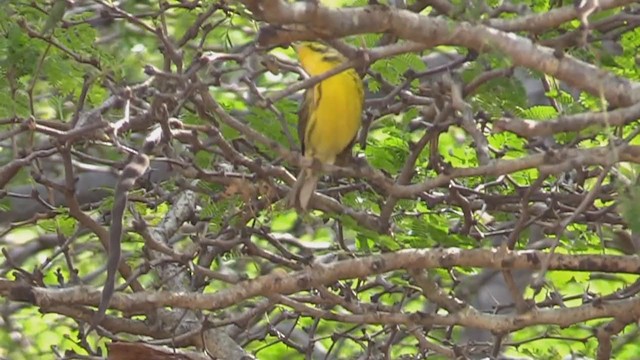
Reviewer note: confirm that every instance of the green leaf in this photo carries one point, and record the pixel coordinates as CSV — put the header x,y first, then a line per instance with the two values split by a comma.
x,y
284,222
394,69
630,204
56,12
539,112
387,148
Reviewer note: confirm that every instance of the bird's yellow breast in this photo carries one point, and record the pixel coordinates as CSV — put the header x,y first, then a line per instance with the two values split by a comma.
x,y
337,116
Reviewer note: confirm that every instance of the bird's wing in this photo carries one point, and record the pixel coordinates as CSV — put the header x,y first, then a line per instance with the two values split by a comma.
x,y
303,116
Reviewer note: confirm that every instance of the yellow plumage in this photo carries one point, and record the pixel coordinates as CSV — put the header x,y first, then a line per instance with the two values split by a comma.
x,y
329,116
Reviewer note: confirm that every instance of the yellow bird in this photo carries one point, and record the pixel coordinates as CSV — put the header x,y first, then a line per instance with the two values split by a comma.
x,y
329,117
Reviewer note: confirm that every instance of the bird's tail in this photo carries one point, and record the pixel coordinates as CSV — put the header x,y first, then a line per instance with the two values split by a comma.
x,y
303,189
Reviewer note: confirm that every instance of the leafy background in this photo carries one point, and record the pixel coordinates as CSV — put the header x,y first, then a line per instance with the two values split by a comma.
x,y
60,61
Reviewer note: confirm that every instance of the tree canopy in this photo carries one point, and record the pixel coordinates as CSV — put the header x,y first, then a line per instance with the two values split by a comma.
x,y
489,208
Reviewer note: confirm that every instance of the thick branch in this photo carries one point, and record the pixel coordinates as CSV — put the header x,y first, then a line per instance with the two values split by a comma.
x,y
334,23
325,274
578,122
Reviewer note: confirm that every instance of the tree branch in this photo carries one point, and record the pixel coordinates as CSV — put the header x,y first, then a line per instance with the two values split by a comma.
x,y
334,23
